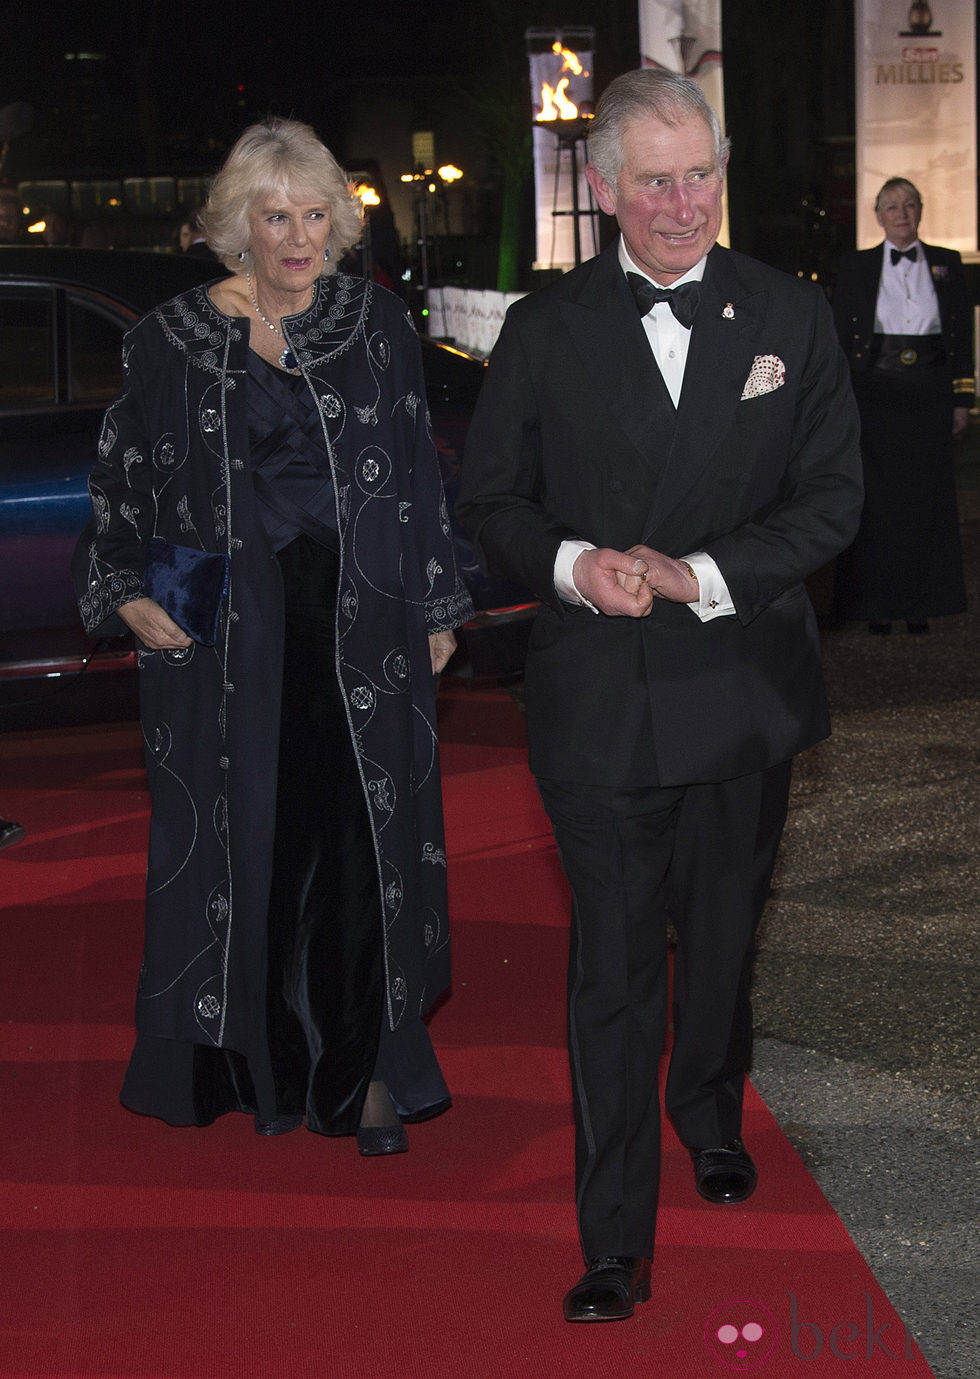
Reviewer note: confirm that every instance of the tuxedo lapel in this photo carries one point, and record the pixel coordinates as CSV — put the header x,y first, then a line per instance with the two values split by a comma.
x,y
725,340
606,331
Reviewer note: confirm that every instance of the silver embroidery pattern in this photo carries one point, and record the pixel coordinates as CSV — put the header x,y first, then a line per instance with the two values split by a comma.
x,y
398,668
390,554
130,457
381,794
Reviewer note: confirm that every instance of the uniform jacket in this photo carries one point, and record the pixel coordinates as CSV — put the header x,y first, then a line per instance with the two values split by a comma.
x,y
856,300
174,462
575,435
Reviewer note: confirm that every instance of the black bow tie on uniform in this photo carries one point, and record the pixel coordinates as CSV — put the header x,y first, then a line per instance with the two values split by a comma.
x,y
683,301
909,254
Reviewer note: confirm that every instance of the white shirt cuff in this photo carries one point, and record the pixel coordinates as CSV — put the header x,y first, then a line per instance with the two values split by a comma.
x,y
568,553
715,600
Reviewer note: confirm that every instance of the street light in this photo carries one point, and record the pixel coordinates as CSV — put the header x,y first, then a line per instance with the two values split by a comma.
x,y
368,196
425,184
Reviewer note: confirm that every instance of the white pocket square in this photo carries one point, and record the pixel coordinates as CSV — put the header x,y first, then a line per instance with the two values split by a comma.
x,y
768,373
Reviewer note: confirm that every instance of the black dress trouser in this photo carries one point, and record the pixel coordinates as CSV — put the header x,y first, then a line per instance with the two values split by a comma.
x,y
701,855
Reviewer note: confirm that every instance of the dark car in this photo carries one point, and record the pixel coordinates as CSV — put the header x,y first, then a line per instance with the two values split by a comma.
x,y
63,313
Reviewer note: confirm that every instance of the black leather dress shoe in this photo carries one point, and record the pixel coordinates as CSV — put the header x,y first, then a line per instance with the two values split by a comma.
x,y
10,832
726,1174
608,1289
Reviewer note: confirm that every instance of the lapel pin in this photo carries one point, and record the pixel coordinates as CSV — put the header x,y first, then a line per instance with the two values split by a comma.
x,y
728,311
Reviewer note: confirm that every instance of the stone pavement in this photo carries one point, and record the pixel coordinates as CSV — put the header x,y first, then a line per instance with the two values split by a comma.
x,y
868,1048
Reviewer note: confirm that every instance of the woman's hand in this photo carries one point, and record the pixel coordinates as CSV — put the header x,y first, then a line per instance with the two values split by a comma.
x,y
155,628
441,647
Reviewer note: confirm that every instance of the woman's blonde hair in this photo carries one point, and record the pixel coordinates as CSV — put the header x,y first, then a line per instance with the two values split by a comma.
x,y
277,156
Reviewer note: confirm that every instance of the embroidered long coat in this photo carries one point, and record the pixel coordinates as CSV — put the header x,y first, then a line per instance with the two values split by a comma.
x,y
174,462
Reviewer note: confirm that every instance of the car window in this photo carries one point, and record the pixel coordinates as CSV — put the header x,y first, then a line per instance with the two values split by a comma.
x,y
94,352
27,374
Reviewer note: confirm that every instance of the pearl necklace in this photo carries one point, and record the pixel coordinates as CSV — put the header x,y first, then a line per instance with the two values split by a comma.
x,y
287,360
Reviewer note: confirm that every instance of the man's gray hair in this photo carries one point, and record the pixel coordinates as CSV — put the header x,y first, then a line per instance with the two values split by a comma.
x,y
666,96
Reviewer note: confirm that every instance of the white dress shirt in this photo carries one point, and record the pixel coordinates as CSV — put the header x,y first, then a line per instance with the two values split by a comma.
x,y
907,303
669,343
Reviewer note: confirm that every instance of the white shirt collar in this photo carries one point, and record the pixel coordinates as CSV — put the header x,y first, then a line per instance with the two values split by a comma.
x,y
693,275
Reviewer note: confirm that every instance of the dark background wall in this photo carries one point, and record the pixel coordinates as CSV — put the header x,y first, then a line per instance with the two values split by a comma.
x,y
176,82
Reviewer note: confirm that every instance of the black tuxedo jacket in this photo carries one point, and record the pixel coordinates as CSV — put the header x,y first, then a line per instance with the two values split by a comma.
x,y
856,300
575,435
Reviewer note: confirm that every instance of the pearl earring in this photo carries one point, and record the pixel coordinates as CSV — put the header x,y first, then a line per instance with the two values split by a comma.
x,y
326,255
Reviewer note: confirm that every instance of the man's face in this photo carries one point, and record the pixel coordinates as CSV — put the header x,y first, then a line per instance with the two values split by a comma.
x,y
899,212
668,196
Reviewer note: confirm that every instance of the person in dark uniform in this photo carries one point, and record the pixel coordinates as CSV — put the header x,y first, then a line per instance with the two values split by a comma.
x,y
904,321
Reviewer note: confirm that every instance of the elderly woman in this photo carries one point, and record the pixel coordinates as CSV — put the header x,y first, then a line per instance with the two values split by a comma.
x,y
269,521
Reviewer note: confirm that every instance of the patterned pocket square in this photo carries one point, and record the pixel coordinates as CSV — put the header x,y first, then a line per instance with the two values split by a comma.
x,y
768,373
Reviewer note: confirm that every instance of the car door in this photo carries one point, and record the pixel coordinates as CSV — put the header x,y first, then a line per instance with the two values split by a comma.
x,y
60,353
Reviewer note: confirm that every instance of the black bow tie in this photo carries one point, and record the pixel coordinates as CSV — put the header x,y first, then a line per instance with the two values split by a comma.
x,y
683,301
909,254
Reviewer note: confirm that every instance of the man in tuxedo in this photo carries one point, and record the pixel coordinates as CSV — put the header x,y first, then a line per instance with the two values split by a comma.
x,y
663,470
905,322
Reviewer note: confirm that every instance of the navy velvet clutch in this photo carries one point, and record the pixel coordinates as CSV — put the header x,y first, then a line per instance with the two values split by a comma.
x,y
188,584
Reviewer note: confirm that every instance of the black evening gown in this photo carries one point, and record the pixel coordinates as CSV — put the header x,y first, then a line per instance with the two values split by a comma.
x,y
327,1035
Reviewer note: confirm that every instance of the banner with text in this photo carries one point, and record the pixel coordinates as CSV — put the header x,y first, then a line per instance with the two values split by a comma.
x,y
915,75
686,38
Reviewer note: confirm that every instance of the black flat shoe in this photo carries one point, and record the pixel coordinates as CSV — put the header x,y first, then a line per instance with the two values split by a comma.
x,y
383,1133
608,1289
918,629
726,1174
282,1125
375,1140
880,629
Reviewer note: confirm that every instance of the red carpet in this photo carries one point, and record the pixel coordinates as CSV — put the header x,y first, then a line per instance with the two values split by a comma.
x,y
132,1249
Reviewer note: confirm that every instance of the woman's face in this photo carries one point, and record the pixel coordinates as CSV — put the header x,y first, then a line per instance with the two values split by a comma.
x,y
287,241
186,235
899,212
